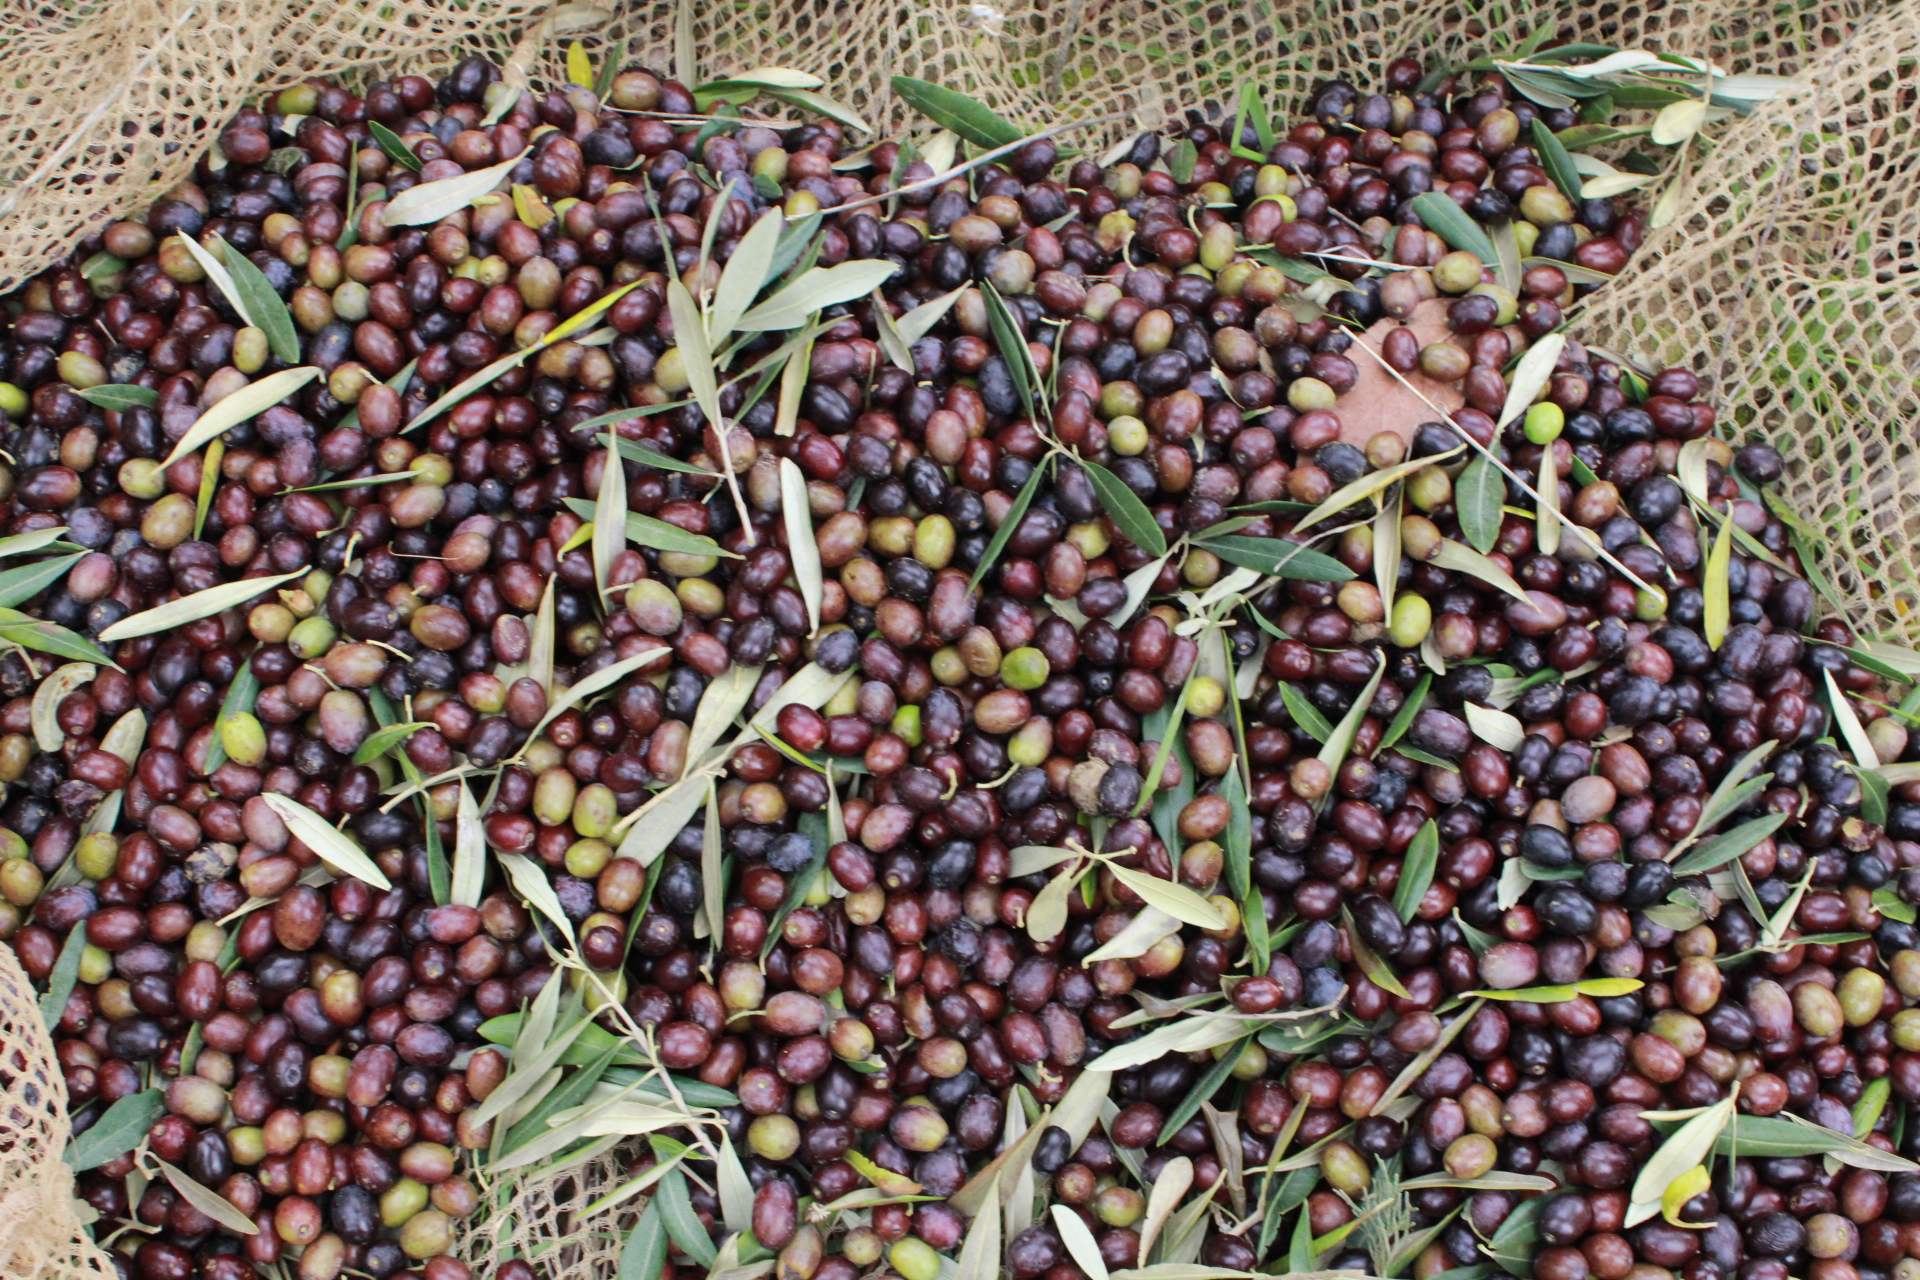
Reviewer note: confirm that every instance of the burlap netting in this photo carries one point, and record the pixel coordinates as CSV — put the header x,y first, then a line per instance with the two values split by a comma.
x,y
40,1236
1789,277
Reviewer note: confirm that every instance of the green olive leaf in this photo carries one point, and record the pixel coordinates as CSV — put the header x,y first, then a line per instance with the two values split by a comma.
x,y
1418,1067
1175,899
816,288
331,846
117,1130
264,304
394,146
432,201
1454,225
803,550
1081,1246
1378,971
958,112
17,586
531,883
1464,559
119,396
1416,871
1686,1147
1478,496
249,401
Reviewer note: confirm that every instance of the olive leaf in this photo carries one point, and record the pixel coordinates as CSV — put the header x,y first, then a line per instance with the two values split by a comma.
x,y
1176,1178
1428,1056
1367,486
249,401
1464,559
1851,730
1047,913
531,883
1547,518
712,870
211,1203
980,1251
721,703
803,550
892,343
432,201
124,739
268,310
919,322
821,104
1019,1206
21,544
1333,753
1531,375
1772,1137
1146,928
609,519
745,275
1378,971
736,1192
60,983
1210,1083
1173,898
1479,493
1403,718
191,608
816,288
1279,557
118,1129
1182,1035
528,1071
593,684
386,738
241,694
1029,858
1386,550
118,396
1453,224
1139,585
469,850
341,855
653,826
394,146
1416,871
513,360
1506,249
1081,1246
682,1224
1182,159
1555,159
1724,848
1686,1147
209,477
958,112
1497,727
647,455
1129,514
1596,988
1012,346
1678,121
1714,586
44,716
645,1251
657,534
1732,793
218,276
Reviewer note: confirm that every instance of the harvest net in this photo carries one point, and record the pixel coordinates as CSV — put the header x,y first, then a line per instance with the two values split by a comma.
x,y
1789,277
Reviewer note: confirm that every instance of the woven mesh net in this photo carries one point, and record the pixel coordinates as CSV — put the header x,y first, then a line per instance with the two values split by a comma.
x,y
1790,277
